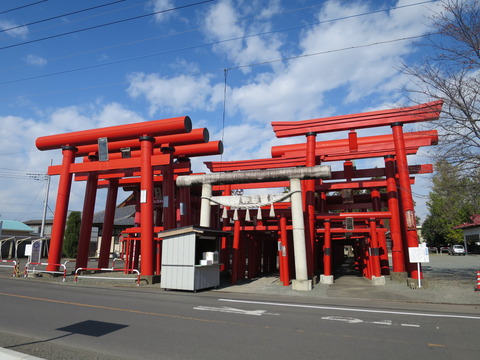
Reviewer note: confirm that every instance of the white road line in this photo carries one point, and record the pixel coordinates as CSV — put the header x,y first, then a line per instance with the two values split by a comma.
x,y
382,322
231,310
471,317
350,320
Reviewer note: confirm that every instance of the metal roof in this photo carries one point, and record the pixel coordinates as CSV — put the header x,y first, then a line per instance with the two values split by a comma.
x,y
15,225
124,216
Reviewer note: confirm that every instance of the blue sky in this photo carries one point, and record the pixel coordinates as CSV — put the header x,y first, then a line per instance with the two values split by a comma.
x,y
131,61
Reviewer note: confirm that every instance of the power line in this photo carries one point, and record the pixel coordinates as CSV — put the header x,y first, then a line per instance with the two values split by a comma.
x,y
22,174
104,25
21,7
60,16
329,51
88,67
154,38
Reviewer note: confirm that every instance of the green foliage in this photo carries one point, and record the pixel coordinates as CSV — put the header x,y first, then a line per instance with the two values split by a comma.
x,y
72,233
453,199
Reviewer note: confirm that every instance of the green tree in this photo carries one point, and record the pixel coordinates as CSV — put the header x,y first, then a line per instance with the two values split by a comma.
x,y
72,233
453,199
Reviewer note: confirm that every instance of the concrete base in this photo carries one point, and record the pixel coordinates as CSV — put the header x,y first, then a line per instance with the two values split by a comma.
x,y
399,276
302,285
150,279
413,283
378,280
326,279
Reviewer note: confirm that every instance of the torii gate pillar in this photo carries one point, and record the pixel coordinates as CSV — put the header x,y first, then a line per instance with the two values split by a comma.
x,y
61,208
406,194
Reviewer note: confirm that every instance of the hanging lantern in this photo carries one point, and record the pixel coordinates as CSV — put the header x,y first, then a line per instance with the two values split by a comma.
x,y
247,215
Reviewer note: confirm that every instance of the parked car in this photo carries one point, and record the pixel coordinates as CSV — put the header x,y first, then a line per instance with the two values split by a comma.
x,y
456,250
433,249
444,249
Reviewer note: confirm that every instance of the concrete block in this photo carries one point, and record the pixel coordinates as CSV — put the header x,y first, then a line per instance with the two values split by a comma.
x,y
399,276
302,285
326,279
413,283
378,280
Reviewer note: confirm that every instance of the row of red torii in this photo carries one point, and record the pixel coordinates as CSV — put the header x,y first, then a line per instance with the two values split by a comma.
x,y
306,229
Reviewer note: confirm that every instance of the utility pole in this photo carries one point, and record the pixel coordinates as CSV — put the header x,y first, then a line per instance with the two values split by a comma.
x,y
45,204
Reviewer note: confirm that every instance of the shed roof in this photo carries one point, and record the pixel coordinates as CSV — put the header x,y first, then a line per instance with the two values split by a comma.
x,y
15,225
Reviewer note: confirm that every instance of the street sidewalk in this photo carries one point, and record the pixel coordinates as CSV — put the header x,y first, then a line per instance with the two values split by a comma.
x,y
447,280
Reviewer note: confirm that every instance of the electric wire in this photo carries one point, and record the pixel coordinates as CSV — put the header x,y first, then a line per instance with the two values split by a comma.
x,y
28,209
103,25
60,16
153,38
330,51
22,7
227,40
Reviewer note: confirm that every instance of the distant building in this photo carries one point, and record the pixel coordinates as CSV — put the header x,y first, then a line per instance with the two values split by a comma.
x,y
36,225
124,218
14,235
471,234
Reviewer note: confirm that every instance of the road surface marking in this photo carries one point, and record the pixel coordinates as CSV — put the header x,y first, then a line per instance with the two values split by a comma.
x,y
382,322
471,317
230,310
348,320
411,325
351,320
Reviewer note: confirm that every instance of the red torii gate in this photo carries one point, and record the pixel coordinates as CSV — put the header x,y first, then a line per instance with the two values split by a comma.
x,y
393,148
142,163
393,117
177,140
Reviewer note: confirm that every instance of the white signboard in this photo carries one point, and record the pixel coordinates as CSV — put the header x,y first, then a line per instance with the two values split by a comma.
x,y
418,254
28,250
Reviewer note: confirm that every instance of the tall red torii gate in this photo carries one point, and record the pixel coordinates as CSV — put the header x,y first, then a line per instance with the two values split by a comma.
x,y
393,148
142,163
393,117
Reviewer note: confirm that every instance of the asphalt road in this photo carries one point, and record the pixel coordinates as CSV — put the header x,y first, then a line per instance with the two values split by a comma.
x,y
67,321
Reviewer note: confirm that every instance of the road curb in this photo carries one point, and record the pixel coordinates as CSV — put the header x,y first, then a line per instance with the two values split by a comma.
x,y
6,354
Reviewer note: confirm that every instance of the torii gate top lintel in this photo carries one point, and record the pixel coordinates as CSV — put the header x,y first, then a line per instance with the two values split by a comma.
x,y
423,112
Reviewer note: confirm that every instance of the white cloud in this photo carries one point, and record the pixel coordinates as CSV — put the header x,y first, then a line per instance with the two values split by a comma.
x,y
18,32
177,94
18,153
161,5
298,91
223,22
35,60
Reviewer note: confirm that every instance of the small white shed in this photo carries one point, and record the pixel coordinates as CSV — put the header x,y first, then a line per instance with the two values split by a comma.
x,y
188,258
